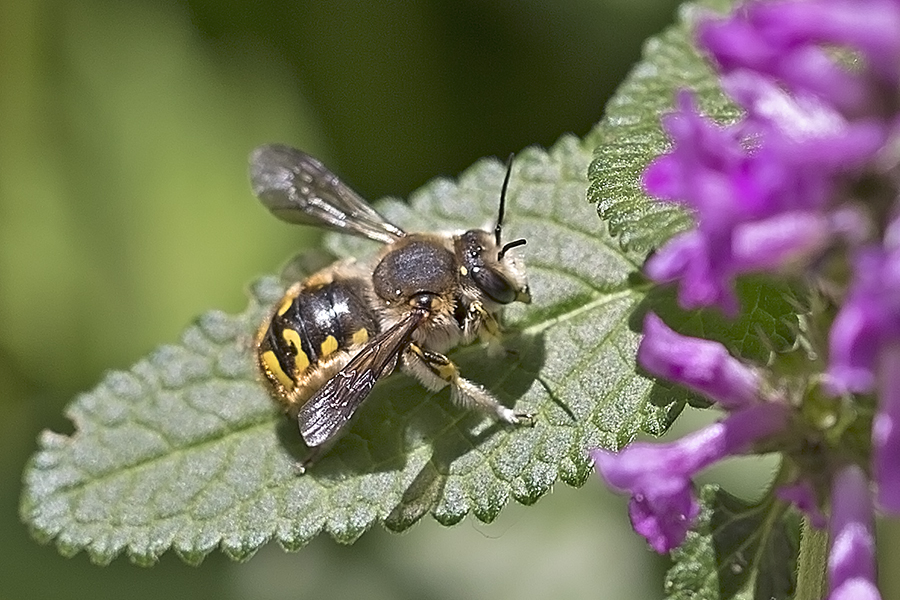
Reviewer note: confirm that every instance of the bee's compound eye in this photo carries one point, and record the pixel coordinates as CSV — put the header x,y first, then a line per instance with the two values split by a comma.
x,y
494,284
477,253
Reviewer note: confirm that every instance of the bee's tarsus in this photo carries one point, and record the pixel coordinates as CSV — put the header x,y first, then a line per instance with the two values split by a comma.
x,y
525,419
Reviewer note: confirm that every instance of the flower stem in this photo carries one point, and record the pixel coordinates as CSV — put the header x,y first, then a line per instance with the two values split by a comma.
x,y
811,566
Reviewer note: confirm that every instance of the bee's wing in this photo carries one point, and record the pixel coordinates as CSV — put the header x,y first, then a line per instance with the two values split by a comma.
x,y
299,189
323,415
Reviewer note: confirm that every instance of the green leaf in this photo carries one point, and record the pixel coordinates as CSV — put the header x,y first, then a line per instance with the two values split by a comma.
x,y
737,551
767,322
187,451
632,136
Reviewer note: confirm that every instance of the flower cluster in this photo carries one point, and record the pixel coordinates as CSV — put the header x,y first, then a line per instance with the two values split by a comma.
x,y
658,476
806,185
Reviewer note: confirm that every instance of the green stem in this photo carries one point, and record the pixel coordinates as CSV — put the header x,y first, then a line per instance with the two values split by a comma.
x,y
811,566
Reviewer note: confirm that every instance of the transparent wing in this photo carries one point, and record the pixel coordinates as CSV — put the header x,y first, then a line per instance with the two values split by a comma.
x,y
328,411
299,189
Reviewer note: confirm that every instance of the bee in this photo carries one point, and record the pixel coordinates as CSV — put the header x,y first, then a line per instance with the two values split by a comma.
x,y
334,335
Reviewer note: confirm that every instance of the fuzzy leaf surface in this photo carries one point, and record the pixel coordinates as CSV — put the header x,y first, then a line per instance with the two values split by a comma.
x,y
632,136
737,551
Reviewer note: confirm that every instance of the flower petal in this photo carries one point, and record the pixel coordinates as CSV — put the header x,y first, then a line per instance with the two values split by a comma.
x,y
802,495
702,365
658,476
886,431
852,555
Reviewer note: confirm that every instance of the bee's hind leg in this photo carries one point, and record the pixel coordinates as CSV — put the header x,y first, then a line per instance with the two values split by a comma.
x,y
435,371
302,467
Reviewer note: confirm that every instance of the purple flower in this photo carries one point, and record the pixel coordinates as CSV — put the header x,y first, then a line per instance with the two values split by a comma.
x,y
794,237
705,278
886,431
703,171
803,143
802,495
761,189
865,356
699,364
806,182
868,321
658,476
784,41
851,560
765,189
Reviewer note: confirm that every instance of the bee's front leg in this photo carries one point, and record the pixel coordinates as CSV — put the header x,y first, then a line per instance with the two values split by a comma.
x,y
482,324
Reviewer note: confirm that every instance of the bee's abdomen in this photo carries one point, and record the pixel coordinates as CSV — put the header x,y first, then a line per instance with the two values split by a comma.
x,y
310,326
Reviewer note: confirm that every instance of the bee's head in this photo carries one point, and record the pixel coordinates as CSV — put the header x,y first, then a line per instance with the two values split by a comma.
x,y
493,272
486,262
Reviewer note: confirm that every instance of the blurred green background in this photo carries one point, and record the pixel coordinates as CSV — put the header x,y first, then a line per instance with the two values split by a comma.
x,y
125,212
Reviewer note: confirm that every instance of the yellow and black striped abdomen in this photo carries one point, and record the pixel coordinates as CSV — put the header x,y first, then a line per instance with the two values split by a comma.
x,y
307,338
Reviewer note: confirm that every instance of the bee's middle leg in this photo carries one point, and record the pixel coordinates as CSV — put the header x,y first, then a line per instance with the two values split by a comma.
x,y
435,371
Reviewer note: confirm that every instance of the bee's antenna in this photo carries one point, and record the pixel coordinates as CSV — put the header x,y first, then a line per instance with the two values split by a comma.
x,y
510,246
498,228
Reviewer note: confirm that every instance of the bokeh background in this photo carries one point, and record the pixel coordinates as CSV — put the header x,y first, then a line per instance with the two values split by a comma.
x,y
125,213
